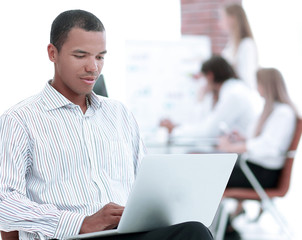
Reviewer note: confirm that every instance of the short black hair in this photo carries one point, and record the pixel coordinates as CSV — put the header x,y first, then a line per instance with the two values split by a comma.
x,y
67,20
220,68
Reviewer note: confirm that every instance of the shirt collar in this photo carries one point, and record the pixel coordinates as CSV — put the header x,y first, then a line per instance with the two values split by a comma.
x,y
95,100
54,99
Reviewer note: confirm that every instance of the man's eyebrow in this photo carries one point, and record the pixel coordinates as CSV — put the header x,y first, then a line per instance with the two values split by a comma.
x,y
79,51
104,52
84,52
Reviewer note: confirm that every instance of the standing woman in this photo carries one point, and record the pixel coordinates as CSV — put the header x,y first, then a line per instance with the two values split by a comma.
x,y
241,50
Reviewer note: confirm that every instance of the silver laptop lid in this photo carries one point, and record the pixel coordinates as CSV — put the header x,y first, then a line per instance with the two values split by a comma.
x,y
171,189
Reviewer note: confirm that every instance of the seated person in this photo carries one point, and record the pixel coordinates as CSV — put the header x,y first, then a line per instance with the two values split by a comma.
x,y
271,138
231,109
272,134
68,158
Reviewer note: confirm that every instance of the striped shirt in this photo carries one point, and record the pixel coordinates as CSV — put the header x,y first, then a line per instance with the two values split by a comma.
x,y
58,165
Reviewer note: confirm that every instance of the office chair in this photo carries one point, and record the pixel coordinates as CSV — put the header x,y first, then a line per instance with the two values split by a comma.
x,y
264,196
10,235
100,87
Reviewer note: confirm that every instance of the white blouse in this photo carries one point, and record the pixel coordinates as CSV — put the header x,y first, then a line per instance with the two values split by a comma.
x,y
233,111
267,149
244,61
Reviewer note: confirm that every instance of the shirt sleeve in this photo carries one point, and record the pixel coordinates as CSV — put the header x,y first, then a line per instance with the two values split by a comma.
x,y
139,149
17,211
217,121
221,120
267,148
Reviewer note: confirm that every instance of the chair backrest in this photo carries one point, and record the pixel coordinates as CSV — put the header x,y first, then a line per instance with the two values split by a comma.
x,y
284,180
285,176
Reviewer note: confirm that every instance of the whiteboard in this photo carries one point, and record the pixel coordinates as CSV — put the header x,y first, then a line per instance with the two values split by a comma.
x,y
159,82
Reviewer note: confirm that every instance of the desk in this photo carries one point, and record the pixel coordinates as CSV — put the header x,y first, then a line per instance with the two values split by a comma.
x,y
181,145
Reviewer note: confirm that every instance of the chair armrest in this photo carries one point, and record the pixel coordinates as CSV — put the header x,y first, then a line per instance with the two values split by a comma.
x,y
291,154
10,235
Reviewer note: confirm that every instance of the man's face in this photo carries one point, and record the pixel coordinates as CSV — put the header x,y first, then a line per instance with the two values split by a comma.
x,y
79,62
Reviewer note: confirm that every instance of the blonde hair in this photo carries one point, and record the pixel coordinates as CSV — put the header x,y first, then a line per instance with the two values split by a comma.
x,y
274,90
242,27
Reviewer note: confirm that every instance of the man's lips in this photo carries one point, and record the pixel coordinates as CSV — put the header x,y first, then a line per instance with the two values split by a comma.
x,y
88,80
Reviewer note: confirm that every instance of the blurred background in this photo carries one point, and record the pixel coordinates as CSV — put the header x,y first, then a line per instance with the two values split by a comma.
x,y
154,49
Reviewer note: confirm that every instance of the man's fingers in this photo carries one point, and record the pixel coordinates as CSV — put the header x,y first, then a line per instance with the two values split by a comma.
x,y
114,209
113,222
117,212
113,206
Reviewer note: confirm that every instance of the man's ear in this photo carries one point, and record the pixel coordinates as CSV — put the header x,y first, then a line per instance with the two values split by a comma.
x,y
52,52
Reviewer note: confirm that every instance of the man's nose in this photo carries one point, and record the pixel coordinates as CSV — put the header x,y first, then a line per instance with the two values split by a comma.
x,y
92,65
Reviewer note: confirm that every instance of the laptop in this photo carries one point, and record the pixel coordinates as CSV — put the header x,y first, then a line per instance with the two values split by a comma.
x,y
171,189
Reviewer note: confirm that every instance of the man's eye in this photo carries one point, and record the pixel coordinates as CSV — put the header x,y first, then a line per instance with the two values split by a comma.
x,y
100,57
79,56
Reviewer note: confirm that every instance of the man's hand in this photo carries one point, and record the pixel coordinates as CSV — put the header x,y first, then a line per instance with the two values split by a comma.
x,y
106,218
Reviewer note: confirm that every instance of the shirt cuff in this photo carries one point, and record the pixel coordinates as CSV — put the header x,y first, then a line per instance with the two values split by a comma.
x,y
69,224
249,145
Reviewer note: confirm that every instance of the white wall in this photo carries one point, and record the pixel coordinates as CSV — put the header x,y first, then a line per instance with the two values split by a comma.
x,y
277,28
25,27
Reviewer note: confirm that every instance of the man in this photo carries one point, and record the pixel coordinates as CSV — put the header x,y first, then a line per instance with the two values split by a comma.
x,y
68,158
